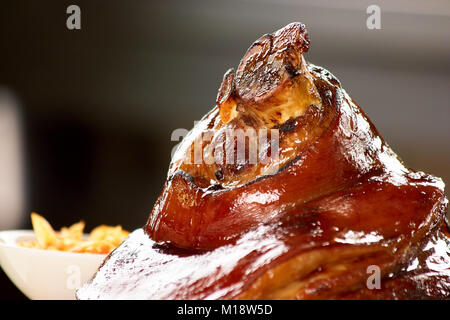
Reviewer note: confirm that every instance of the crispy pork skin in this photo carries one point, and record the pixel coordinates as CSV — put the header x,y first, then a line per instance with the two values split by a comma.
x,y
311,223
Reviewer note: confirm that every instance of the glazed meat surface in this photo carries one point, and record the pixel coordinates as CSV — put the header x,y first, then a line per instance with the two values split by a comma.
x,y
309,223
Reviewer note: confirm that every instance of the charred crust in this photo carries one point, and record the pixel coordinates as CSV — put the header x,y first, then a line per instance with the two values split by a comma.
x,y
288,126
227,87
214,187
254,82
249,120
219,174
291,70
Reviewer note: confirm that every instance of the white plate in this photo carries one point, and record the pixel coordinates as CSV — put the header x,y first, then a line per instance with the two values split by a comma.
x,y
42,274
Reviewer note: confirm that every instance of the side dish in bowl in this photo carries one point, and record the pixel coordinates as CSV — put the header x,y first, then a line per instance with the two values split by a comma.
x,y
45,264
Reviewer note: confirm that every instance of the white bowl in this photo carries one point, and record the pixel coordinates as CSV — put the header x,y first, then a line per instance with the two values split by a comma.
x,y
42,274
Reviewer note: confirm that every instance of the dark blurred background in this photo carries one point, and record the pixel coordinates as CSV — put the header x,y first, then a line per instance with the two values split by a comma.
x,y
86,115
